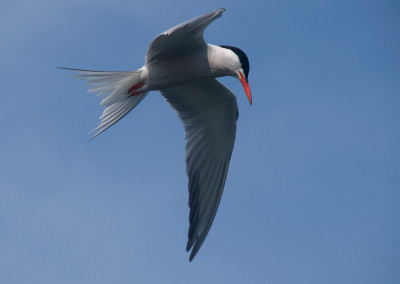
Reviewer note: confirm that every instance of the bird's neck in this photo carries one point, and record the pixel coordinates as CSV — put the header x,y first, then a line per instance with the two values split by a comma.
x,y
222,61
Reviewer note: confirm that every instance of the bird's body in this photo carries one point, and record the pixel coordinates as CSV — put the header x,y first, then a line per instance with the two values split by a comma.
x,y
183,67
211,62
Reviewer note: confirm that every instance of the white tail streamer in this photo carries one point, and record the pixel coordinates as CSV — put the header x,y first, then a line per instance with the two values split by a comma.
x,y
114,88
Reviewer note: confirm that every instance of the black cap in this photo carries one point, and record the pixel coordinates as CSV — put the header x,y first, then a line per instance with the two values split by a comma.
x,y
242,57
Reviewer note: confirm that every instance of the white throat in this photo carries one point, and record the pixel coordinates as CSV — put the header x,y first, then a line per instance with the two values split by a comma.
x,y
222,61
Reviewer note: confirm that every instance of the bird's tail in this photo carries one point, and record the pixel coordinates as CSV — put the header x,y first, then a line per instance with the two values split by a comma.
x,y
117,90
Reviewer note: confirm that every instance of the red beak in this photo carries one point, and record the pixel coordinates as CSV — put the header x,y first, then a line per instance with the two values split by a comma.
x,y
246,87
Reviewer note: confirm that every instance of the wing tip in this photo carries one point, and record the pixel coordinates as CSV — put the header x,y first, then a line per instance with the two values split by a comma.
x,y
196,247
220,11
192,241
191,257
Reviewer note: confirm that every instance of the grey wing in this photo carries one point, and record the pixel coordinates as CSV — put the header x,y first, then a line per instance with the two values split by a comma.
x,y
209,112
181,38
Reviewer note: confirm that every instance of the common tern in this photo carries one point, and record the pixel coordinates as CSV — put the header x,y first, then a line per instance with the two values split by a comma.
x,y
183,68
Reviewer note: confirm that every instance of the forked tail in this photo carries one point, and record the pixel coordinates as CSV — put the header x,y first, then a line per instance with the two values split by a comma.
x,y
118,90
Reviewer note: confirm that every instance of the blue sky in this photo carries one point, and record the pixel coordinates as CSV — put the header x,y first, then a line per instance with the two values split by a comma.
x,y
312,194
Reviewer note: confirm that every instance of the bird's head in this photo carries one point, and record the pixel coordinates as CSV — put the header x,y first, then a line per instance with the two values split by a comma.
x,y
242,72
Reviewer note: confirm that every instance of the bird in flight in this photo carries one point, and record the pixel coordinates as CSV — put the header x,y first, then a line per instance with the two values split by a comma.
x,y
183,68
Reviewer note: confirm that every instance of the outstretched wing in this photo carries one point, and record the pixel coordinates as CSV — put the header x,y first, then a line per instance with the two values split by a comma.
x,y
181,38
209,112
